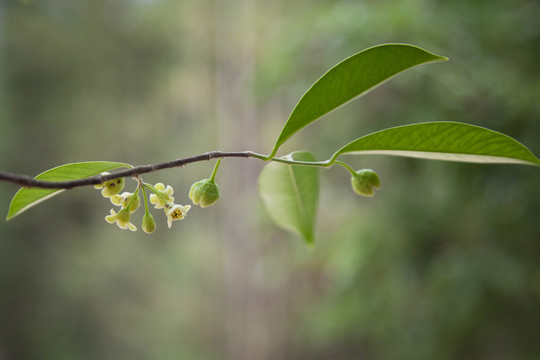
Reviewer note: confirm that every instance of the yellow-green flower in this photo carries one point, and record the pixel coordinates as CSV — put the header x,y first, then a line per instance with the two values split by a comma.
x,y
175,212
166,192
111,187
121,219
124,199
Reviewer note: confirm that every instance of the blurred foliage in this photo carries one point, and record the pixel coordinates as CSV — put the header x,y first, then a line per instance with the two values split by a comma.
x,y
441,264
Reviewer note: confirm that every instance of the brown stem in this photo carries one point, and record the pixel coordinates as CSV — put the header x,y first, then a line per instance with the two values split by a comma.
x,y
27,181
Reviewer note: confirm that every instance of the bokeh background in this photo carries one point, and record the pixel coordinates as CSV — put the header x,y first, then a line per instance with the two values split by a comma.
x,y
443,263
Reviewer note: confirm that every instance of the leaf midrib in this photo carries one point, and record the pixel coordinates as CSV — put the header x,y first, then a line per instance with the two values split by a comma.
x,y
298,199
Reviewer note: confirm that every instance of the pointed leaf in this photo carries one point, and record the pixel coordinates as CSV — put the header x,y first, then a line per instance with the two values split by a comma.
x,y
290,193
351,78
451,141
26,198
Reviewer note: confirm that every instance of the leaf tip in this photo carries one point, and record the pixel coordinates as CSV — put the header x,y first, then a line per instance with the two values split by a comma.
x,y
310,243
11,215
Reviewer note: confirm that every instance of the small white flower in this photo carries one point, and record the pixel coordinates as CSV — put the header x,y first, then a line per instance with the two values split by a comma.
x,y
124,199
166,192
175,212
111,187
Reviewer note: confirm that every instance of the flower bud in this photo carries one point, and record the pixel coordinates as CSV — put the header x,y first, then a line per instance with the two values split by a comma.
x,y
204,193
148,223
365,181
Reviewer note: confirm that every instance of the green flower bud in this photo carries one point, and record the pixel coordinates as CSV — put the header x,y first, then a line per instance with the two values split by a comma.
x,y
365,181
148,223
204,193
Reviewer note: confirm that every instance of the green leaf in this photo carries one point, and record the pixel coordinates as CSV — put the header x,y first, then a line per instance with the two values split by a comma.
x,y
291,193
351,78
26,198
450,141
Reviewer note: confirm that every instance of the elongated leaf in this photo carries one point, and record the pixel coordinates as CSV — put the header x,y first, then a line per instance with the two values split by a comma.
x,y
451,141
26,198
291,193
351,78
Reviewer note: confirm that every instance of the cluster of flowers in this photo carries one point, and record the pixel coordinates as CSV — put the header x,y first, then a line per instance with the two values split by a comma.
x,y
203,193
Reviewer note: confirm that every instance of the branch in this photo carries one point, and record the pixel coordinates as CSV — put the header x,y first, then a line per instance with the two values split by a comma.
x,y
27,181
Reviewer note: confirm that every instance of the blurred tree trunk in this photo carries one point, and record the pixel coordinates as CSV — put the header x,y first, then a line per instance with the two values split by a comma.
x,y
244,313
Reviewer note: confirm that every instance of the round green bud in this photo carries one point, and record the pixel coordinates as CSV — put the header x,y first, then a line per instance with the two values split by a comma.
x,y
148,223
365,181
204,193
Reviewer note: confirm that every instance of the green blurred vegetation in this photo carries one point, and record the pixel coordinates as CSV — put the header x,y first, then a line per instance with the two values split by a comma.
x,y
441,264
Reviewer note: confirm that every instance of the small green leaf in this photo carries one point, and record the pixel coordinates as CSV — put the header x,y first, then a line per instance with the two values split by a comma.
x,y
351,78
26,198
291,193
450,141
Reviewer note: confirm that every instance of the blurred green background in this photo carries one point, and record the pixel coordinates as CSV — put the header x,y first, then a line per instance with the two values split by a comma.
x,y
443,263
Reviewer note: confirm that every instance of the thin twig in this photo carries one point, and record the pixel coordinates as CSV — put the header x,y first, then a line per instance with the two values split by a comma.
x,y
27,181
